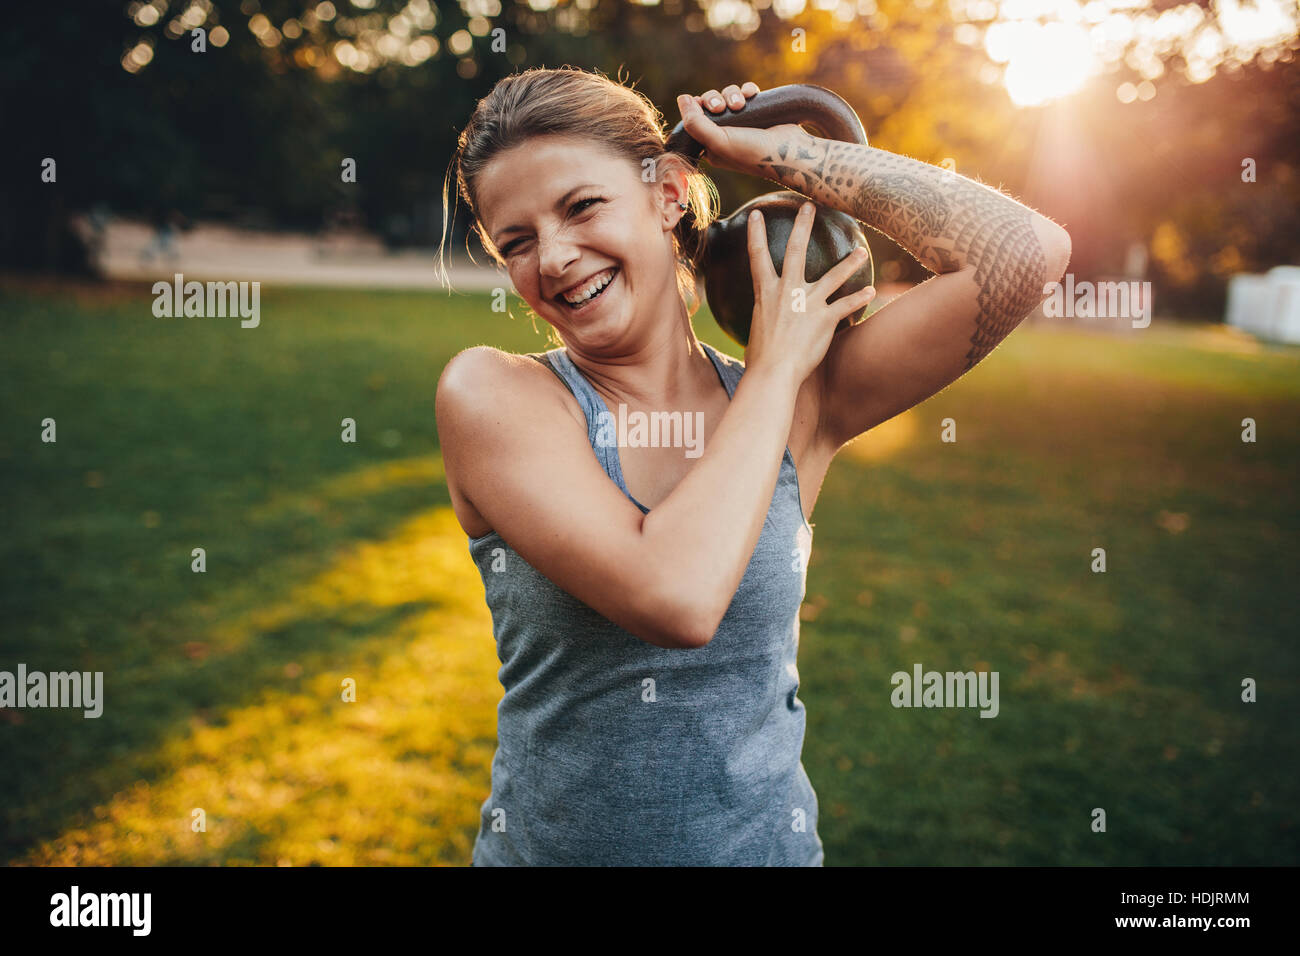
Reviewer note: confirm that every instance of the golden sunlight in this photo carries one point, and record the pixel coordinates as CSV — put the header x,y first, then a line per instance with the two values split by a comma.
x,y
294,775
885,440
1044,61
1051,48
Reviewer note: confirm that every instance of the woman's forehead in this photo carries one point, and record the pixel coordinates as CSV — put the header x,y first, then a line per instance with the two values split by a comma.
x,y
539,172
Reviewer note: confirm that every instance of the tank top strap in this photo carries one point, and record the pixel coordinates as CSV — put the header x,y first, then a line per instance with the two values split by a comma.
x,y
729,369
593,405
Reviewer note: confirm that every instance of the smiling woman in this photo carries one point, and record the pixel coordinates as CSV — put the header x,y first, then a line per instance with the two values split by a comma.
x,y
645,602
611,214
499,178
650,713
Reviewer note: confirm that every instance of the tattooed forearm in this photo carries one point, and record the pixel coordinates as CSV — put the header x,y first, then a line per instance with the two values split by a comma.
x,y
946,221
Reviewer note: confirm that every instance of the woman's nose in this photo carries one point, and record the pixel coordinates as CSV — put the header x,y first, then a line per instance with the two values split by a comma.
x,y
555,252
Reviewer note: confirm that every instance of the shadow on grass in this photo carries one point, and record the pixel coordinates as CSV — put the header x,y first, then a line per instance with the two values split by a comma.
x,y
252,729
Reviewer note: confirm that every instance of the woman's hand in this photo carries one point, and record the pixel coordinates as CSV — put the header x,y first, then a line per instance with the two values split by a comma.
x,y
792,324
734,147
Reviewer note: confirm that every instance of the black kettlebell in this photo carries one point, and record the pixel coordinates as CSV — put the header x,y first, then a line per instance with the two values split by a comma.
x,y
728,283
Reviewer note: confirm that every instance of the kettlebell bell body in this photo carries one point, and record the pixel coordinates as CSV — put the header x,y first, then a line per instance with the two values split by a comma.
x,y
728,283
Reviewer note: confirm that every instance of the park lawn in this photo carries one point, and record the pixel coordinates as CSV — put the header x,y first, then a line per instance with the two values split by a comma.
x,y
328,561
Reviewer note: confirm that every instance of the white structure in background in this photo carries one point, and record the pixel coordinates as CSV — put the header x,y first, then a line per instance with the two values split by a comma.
x,y
223,252
1267,306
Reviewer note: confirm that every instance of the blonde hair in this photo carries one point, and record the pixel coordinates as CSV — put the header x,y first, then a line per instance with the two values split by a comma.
x,y
567,101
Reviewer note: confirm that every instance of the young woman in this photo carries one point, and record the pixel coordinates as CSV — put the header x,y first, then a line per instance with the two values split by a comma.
x,y
645,601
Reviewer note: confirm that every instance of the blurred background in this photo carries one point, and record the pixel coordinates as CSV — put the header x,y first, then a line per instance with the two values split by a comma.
x,y
208,138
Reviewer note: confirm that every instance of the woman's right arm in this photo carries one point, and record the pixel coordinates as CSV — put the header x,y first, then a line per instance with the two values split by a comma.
x,y
514,449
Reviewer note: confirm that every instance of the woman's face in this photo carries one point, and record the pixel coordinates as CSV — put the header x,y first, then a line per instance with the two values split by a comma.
x,y
566,214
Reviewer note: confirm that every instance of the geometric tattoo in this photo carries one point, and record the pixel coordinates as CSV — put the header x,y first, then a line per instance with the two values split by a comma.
x,y
945,221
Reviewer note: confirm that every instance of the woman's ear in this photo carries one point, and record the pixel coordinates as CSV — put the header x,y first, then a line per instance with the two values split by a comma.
x,y
674,192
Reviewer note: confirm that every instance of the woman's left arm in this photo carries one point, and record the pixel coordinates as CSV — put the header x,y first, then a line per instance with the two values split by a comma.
x,y
993,258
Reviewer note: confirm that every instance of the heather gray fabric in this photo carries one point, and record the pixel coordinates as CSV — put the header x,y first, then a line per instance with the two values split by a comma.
x,y
614,752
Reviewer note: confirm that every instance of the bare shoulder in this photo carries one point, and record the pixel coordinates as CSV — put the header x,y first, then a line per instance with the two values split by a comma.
x,y
486,387
491,408
485,373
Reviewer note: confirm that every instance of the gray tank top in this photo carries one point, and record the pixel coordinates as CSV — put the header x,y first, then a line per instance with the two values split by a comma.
x,y
615,752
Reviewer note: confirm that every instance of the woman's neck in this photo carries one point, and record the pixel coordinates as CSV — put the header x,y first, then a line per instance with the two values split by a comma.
x,y
669,371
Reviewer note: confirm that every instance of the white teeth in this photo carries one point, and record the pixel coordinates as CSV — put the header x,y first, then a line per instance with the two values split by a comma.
x,y
589,290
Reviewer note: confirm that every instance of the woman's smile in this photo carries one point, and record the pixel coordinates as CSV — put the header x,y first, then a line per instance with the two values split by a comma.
x,y
596,291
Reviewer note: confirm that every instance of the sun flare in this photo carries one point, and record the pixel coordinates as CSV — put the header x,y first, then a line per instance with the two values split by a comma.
x,y
1044,61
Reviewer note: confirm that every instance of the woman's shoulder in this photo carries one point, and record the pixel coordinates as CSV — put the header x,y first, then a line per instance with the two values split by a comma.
x,y
483,386
479,360
487,372
492,409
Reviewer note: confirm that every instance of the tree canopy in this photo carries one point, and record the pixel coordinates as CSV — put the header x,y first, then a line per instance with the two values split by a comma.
x,y
1125,120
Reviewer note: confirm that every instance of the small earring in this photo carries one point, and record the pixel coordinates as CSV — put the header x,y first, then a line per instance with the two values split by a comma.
x,y
683,205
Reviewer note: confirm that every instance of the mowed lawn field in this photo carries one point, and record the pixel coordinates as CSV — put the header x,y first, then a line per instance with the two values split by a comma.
x,y
224,737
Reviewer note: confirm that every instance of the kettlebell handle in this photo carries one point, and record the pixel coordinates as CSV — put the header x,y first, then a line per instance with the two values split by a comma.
x,y
797,103
723,249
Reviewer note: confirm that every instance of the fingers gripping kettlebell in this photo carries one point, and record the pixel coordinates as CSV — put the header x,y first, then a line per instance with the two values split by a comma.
x,y
728,284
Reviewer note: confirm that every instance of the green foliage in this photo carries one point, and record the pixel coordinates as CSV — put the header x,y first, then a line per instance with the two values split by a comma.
x,y
255,133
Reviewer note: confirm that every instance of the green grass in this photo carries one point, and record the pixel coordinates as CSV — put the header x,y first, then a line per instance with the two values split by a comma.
x,y
328,560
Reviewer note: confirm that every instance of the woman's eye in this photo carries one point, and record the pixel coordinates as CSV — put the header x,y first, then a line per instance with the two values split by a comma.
x,y
578,206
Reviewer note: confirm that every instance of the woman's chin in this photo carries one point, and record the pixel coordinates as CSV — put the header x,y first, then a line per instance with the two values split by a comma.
x,y
607,334
603,327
